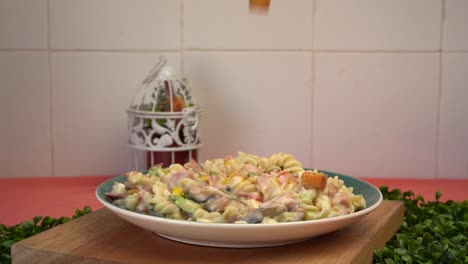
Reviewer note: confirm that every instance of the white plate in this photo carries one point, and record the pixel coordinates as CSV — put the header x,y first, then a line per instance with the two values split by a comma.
x,y
244,235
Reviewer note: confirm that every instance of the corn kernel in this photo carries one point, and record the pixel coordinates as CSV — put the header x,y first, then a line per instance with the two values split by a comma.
x,y
177,191
204,178
227,180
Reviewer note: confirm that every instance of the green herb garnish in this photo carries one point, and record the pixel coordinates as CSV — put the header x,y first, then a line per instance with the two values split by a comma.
x,y
432,232
154,171
16,233
252,174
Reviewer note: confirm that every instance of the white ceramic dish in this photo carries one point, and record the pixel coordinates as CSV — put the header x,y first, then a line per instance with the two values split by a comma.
x,y
244,235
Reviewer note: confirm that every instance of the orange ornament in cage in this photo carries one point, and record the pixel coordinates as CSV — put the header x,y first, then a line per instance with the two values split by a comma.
x,y
163,119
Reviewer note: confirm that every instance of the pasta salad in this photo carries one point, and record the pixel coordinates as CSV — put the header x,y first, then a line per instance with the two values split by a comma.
x,y
237,189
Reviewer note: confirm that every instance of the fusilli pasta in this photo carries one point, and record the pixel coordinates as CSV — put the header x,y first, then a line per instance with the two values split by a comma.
x,y
241,189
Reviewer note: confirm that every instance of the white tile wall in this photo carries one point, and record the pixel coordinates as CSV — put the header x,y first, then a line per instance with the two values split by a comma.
x,y
23,24
456,25
382,95
378,25
115,24
246,109
91,93
25,144
227,24
453,144
375,114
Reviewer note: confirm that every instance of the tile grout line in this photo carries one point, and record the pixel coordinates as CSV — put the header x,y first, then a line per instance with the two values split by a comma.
x,y
439,94
55,50
312,93
118,50
373,51
314,50
23,50
94,50
260,50
51,96
182,43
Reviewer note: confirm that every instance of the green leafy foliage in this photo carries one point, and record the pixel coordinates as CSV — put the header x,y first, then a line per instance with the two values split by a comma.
x,y
13,234
432,232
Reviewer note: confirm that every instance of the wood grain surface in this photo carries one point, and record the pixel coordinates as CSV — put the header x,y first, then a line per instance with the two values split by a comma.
x,y
102,237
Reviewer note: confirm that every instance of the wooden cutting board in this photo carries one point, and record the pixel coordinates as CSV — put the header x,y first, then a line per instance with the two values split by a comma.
x,y
102,237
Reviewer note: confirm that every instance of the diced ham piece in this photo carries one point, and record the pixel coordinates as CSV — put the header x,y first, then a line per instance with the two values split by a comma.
x,y
345,203
144,197
341,198
130,172
214,182
174,180
284,178
193,165
251,195
262,181
251,168
332,190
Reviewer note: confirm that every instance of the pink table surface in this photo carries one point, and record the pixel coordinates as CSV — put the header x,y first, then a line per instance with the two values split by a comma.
x,y
25,198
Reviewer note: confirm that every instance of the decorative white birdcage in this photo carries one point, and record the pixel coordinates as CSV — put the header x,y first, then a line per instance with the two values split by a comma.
x,y
163,118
